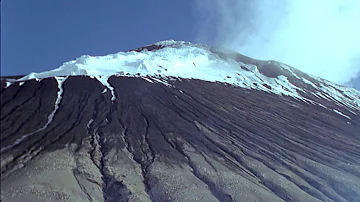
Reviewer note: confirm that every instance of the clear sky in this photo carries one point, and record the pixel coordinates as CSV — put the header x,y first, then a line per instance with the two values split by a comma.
x,y
319,37
38,35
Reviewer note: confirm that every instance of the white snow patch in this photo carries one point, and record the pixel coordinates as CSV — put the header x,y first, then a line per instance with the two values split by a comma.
x,y
341,114
289,69
7,84
309,82
60,81
148,80
172,43
340,95
104,81
104,91
162,81
21,83
89,123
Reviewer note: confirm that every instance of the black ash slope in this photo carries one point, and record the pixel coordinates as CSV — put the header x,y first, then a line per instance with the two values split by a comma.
x,y
194,141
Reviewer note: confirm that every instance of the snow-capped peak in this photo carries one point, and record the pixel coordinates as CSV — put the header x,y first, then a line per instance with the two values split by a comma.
x,y
186,60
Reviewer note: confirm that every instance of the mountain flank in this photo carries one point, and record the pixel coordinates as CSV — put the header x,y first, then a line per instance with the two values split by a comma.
x,y
135,136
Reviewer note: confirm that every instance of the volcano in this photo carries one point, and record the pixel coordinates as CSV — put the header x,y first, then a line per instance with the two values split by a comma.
x,y
176,121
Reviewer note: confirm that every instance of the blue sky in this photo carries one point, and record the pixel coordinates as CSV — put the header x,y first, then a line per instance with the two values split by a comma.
x,y
40,35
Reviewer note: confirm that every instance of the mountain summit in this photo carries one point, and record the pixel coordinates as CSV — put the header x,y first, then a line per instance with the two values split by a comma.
x,y
177,59
176,121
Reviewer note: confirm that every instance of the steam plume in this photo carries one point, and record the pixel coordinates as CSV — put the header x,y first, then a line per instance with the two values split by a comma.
x,y
319,37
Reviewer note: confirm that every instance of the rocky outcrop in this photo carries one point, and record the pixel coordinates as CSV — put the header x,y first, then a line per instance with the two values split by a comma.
x,y
190,140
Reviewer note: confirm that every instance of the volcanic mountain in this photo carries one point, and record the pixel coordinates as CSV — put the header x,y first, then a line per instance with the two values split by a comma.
x,y
175,121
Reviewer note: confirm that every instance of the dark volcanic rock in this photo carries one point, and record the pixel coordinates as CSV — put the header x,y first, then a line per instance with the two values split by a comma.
x,y
194,140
